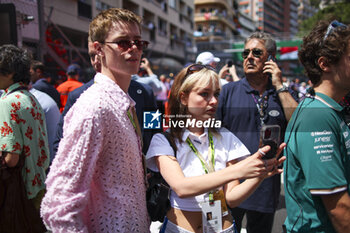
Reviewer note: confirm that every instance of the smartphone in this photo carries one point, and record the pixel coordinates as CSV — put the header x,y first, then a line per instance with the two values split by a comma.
x,y
270,135
271,58
229,63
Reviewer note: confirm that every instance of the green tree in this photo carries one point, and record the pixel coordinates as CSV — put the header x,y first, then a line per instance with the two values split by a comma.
x,y
315,3
337,11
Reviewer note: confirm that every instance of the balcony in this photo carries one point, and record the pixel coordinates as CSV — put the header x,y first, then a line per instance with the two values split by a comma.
x,y
214,2
246,22
210,36
208,17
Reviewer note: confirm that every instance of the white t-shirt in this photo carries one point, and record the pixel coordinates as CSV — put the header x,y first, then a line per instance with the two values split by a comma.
x,y
227,147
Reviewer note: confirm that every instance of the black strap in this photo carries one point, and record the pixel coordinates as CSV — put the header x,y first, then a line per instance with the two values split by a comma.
x,y
3,164
170,140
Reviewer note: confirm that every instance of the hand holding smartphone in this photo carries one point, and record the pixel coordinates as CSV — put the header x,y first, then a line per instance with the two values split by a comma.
x,y
270,57
270,135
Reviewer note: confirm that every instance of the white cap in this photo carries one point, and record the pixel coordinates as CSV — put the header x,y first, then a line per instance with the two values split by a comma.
x,y
206,58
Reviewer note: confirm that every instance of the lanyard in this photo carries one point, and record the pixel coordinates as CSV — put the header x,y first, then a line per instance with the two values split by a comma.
x,y
135,124
207,168
204,163
261,105
140,141
132,120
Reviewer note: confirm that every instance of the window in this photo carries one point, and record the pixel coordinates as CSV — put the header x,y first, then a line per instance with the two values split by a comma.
x,y
189,12
162,25
84,9
172,3
102,6
163,5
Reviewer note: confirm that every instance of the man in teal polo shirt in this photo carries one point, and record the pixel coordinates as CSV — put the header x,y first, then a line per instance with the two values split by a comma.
x,y
317,170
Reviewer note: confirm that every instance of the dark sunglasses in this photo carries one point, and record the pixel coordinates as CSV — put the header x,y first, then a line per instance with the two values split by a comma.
x,y
197,67
332,26
256,53
127,44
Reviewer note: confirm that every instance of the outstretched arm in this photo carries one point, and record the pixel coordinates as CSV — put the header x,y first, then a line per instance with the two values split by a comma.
x,y
236,192
145,65
171,171
230,70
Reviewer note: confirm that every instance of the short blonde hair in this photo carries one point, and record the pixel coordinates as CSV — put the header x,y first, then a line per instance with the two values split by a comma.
x,y
101,24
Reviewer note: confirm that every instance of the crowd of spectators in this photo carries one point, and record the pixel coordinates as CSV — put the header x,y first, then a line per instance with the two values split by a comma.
x,y
92,137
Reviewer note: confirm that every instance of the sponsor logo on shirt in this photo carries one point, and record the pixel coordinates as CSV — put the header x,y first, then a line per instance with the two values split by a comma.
x,y
347,144
323,139
324,151
342,124
274,113
321,133
323,146
326,158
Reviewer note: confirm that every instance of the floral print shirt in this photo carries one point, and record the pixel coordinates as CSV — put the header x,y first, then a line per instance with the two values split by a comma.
x,y
23,131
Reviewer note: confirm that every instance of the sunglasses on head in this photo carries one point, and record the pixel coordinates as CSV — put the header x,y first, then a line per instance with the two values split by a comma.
x,y
256,53
197,67
127,44
332,26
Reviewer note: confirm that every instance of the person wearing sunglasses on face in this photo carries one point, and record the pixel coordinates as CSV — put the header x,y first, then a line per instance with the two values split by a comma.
x,y
204,175
96,182
142,94
245,107
317,170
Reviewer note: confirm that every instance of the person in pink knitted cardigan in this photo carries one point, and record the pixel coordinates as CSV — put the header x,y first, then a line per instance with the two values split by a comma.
x,y
96,182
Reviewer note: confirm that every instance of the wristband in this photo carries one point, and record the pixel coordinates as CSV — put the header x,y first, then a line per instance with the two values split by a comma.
x,y
282,89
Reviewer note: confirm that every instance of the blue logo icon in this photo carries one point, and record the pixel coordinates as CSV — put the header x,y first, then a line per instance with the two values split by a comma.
x,y
151,120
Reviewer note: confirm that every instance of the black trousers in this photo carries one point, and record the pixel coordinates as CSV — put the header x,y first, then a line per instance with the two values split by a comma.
x,y
257,222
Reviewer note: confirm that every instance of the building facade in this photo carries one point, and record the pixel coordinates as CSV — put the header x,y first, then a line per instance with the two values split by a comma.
x,y
58,35
278,17
216,26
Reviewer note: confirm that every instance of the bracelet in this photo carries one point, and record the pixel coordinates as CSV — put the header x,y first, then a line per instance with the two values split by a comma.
x,y
282,89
